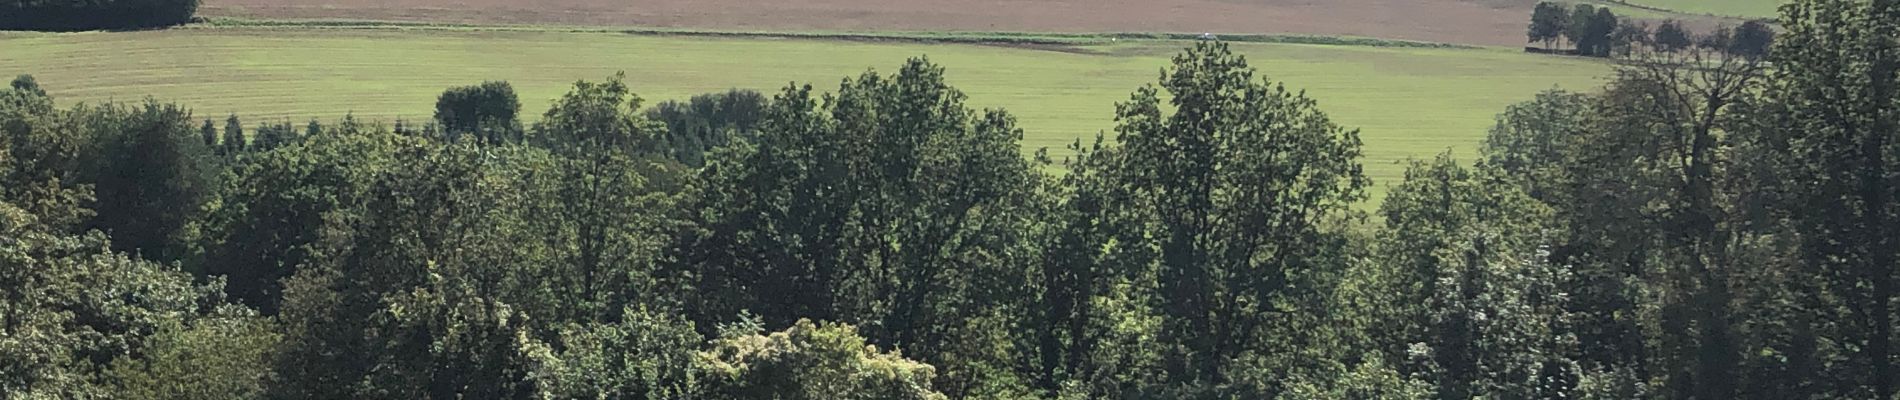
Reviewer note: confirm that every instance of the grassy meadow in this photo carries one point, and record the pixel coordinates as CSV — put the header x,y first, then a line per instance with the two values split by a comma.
x,y
1732,8
1408,102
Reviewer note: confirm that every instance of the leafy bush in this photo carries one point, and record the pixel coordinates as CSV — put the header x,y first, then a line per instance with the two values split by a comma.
x,y
812,361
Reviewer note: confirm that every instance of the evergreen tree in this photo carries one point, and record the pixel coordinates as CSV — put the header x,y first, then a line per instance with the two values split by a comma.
x,y
234,142
209,133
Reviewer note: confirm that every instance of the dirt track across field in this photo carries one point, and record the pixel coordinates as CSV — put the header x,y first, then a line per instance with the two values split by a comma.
x,y
1482,22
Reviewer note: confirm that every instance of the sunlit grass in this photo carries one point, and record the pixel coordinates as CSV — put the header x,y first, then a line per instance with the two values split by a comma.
x,y
1408,102
1735,8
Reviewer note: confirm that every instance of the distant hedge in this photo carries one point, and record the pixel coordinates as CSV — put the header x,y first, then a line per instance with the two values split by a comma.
x,y
80,15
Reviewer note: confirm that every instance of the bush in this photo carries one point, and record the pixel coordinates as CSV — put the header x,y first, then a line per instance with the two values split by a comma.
x,y
812,361
224,356
647,355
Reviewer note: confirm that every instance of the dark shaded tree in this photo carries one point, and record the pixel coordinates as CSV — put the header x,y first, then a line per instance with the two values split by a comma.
x,y
225,355
151,174
487,113
43,152
708,121
1665,118
70,308
1548,23
1671,36
1629,36
26,83
889,204
620,199
428,289
271,135
1834,121
1473,296
1592,30
95,14
1234,187
274,207
1752,39
234,140
209,133
1582,29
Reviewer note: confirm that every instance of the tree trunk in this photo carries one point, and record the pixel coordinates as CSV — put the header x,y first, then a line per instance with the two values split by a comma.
x,y
1716,354
1876,190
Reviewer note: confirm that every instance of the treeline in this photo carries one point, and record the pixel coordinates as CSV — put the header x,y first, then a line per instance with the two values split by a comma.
x,y
81,15
1701,227
1596,31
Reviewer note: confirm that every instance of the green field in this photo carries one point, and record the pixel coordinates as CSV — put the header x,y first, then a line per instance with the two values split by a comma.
x,y
1409,102
1734,8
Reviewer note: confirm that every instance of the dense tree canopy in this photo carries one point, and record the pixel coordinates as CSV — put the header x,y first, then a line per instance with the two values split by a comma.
x,y
485,112
1716,222
707,122
1599,32
1548,22
76,15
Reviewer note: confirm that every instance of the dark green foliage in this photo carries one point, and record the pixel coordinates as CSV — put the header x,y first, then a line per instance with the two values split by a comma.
x,y
1704,226
1233,188
298,189
1720,39
1476,306
619,200
151,174
234,140
597,116
890,205
1592,31
273,135
1830,141
1548,22
438,314
550,241
1372,379
648,355
1752,39
486,113
42,156
70,307
1531,140
72,15
1601,34
1582,17
209,133
1671,36
221,356
26,83
1628,37
709,121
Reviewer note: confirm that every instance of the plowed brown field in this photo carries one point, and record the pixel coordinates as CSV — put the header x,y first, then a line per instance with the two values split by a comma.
x,y
1483,22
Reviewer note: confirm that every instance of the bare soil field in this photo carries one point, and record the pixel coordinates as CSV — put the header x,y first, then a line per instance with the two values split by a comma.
x,y
1481,22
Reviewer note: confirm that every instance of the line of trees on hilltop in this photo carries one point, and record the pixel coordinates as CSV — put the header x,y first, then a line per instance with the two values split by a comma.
x,y
1702,227
1596,31
81,15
